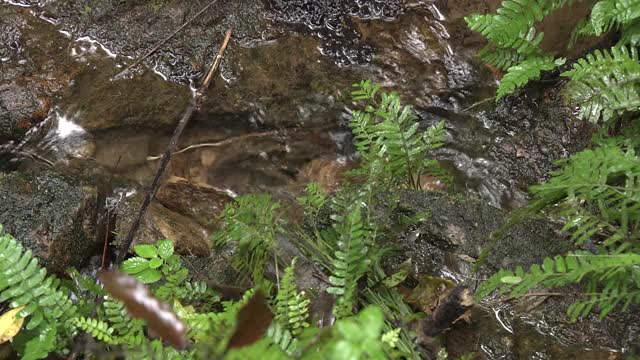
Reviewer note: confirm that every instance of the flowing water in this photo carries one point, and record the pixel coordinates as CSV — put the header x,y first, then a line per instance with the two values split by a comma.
x,y
276,117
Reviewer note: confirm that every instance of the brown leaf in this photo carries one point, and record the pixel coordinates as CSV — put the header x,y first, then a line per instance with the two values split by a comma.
x,y
141,304
429,292
252,322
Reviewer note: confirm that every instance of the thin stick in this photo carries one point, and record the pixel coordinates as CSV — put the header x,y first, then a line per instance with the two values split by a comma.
x,y
219,143
476,104
106,235
106,242
173,144
233,139
161,43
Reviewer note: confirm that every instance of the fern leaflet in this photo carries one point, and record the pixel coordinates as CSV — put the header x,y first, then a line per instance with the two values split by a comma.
x,y
292,307
605,84
520,74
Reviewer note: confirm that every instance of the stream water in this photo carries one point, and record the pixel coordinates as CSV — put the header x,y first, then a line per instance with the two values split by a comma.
x,y
276,116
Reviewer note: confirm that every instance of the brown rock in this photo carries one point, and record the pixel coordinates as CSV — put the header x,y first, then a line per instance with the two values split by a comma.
x,y
52,214
189,237
327,173
198,201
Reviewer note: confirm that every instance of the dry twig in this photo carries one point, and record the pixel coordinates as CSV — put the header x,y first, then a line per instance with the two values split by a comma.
x,y
173,144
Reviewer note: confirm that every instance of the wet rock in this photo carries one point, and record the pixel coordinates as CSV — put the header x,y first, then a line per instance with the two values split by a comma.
x,y
517,337
463,226
144,101
618,330
52,214
327,173
331,21
189,237
19,110
214,268
148,22
533,129
448,244
198,201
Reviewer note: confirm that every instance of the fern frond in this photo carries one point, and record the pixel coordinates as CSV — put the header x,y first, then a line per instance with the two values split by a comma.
x,y
24,282
99,330
511,32
610,14
583,28
598,191
520,74
292,307
350,262
251,225
610,270
126,330
630,34
605,84
502,58
282,338
388,139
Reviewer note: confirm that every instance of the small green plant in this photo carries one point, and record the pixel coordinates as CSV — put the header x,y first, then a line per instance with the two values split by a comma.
x,y
514,41
251,226
606,84
148,265
52,315
387,135
618,273
291,305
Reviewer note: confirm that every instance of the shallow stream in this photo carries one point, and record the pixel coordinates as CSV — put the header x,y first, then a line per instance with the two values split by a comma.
x,y
276,116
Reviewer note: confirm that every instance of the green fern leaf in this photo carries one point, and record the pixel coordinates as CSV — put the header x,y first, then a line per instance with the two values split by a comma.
x,y
519,75
608,14
99,330
350,262
24,283
292,307
605,84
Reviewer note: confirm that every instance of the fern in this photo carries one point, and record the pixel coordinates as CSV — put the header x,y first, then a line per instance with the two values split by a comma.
x,y
630,34
99,330
388,139
511,33
126,330
611,270
605,84
314,199
350,262
599,192
520,74
251,224
609,14
24,282
514,41
282,338
292,307
500,57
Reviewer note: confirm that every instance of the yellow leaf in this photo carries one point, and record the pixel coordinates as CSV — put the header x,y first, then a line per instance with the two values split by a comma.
x,y
10,324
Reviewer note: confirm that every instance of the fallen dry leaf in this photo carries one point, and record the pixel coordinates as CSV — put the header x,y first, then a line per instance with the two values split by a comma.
x,y
253,320
141,304
10,324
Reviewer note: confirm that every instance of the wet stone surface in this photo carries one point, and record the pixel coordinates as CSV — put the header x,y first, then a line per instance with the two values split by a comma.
x,y
52,214
332,21
448,245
